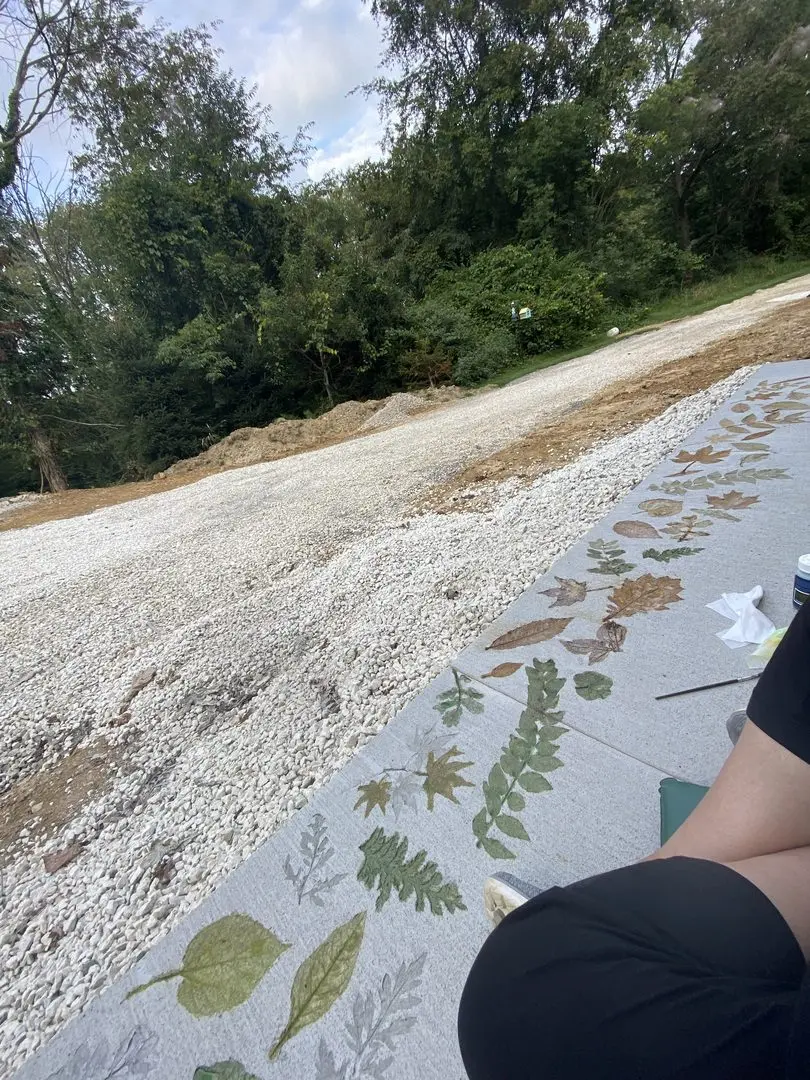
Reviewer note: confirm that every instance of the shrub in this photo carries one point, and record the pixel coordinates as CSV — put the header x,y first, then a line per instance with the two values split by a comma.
x,y
493,354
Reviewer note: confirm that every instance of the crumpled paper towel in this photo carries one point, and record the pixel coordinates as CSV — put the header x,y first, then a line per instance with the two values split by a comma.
x,y
750,627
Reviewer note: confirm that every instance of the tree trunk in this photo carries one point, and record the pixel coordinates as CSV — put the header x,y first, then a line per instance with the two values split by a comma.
x,y
49,467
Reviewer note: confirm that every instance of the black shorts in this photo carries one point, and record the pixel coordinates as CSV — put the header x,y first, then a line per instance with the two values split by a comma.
x,y
672,968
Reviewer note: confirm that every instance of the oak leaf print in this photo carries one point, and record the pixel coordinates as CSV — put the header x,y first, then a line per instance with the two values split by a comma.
x,y
643,594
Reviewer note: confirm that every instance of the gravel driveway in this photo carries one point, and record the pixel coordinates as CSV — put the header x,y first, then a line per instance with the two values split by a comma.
x,y
218,649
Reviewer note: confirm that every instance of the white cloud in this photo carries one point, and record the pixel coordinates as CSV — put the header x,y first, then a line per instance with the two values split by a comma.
x,y
360,143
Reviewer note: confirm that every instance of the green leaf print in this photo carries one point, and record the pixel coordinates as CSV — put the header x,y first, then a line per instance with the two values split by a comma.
x,y
223,1070
590,685
321,979
223,965
529,754
668,554
385,868
452,703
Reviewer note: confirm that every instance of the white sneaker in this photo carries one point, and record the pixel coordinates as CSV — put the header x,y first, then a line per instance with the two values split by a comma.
x,y
503,893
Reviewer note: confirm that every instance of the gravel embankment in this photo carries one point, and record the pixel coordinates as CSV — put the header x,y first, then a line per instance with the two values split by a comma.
x,y
277,649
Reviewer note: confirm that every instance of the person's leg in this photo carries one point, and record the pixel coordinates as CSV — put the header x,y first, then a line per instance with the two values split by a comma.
x,y
784,877
760,801
759,804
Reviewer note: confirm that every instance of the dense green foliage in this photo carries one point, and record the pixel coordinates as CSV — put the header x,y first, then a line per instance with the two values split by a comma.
x,y
582,159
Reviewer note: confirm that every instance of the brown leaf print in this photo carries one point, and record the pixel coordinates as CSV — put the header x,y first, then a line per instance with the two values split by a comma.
x,y
732,500
567,591
791,418
687,527
530,634
705,455
609,638
749,458
661,507
751,446
760,433
752,421
642,594
636,530
735,428
739,407
502,671
787,405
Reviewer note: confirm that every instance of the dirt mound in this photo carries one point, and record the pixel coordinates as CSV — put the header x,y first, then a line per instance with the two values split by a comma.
x,y
251,445
396,409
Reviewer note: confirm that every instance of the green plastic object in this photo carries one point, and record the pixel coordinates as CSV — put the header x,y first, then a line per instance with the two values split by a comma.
x,y
678,800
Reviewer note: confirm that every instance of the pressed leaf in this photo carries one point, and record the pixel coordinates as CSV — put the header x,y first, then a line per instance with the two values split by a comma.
x,y
638,530
502,671
223,1070
753,437
661,507
495,849
374,793
705,455
668,554
385,867
734,428
752,457
480,823
322,979
643,594
515,802
751,446
223,965
689,526
609,638
732,500
590,685
497,780
786,405
530,634
511,826
534,782
740,407
443,775
568,591
545,762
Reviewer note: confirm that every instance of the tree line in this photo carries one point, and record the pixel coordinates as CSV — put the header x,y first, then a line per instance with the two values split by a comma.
x,y
579,158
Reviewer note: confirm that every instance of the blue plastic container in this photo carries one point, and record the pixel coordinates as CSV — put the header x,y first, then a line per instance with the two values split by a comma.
x,y
801,583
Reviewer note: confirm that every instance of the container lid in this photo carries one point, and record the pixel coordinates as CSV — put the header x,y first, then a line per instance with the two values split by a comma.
x,y
804,565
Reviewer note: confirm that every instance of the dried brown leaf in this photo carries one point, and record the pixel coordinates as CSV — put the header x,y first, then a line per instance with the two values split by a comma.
x,y
530,634
609,638
661,507
732,500
568,591
502,671
704,455
636,530
642,594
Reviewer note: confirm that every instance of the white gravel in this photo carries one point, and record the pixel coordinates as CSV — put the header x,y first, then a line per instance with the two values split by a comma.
x,y
277,651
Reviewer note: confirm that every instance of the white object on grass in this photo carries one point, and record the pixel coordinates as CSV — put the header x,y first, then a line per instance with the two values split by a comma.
x,y
614,331
750,627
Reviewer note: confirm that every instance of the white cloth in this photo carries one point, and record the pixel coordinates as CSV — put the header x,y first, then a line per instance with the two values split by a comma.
x,y
750,626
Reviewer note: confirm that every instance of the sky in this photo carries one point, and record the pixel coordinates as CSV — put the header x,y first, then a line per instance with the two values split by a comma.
x,y
305,56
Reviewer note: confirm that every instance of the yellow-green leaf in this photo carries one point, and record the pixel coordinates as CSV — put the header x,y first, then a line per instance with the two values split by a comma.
x,y
322,979
223,965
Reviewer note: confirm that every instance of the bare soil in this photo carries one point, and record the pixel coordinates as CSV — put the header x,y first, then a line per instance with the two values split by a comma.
x,y
245,446
47,801
783,335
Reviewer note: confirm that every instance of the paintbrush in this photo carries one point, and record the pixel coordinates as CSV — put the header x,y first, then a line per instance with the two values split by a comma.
x,y
708,686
